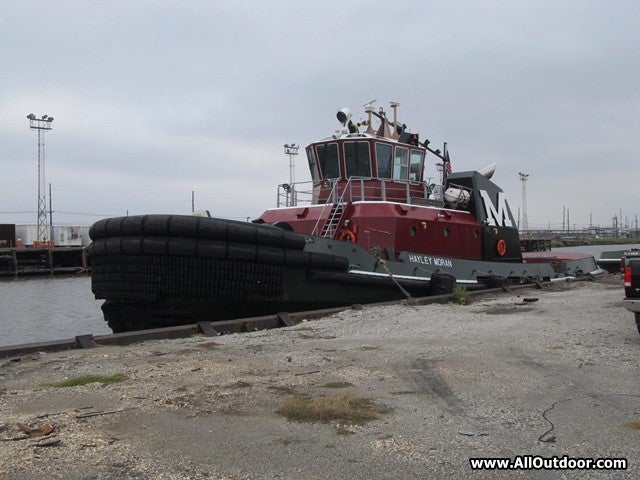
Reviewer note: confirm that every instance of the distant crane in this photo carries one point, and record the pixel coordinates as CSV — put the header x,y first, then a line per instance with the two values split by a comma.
x,y
41,124
525,222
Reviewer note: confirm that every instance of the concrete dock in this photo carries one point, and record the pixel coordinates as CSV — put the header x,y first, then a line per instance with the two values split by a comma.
x,y
549,372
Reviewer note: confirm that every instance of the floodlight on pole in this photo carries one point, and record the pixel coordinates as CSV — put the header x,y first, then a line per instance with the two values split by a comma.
x,y
41,125
523,178
292,151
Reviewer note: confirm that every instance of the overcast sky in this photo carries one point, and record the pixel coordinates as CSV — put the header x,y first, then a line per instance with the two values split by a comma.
x,y
155,99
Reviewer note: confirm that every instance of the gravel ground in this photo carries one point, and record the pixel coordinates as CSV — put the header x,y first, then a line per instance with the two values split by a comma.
x,y
498,378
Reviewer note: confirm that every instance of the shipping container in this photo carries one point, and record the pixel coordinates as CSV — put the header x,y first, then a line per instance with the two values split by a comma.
x,y
7,235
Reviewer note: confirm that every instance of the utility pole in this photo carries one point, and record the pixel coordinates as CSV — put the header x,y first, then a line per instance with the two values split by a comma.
x,y
41,125
193,201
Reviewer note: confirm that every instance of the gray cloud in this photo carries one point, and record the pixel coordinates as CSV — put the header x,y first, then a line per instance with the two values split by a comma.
x,y
155,99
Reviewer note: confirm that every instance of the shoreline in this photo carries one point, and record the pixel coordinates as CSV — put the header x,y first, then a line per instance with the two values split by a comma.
x,y
456,381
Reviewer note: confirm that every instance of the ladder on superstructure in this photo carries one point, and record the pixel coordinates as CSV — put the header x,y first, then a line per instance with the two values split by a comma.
x,y
332,223
338,209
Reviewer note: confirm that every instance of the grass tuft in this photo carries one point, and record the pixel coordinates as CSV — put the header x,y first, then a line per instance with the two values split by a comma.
x,y
86,379
343,408
459,295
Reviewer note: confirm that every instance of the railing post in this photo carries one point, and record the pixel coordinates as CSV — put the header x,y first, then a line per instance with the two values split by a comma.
x,y
362,190
384,190
408,198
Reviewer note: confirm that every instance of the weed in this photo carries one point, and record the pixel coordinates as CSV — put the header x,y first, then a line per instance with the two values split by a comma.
x,y
343,408
459,295
85,379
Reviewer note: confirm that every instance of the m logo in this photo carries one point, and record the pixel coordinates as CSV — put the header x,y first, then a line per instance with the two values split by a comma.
x,y
499,217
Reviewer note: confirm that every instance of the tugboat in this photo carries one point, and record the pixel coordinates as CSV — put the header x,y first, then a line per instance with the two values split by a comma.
x,y
368,227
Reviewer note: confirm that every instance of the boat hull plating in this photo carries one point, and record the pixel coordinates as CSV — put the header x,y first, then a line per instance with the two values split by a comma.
x,y
164,270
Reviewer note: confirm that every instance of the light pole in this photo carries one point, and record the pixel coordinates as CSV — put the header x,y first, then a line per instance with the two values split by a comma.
x,y
41,125
292,151
525,222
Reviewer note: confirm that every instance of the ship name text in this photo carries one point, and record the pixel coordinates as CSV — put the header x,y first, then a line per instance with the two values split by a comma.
x,y
427,260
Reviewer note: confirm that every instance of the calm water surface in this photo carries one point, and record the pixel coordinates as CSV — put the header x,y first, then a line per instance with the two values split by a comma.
x,y
37,309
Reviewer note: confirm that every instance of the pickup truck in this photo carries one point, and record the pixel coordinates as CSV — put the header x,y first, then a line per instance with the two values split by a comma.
x,y
630,266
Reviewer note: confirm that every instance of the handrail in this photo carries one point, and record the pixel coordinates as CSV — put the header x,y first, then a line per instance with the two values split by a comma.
x,y
290,196
332,194
357,189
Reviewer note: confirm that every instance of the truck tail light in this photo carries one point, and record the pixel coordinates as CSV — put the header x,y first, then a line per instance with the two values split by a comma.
x,y
627,277
622,262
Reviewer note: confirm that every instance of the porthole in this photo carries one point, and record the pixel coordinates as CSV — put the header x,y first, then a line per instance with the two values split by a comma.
x,y
446,233
412,231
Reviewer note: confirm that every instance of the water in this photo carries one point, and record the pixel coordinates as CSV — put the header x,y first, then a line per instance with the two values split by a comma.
x,y
36,309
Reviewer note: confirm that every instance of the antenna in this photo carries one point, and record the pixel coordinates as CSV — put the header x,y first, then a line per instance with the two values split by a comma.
x,y
369,105
394,107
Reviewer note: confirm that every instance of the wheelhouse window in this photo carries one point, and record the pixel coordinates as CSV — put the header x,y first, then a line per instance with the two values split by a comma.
x,y
357,160
328,160
383,159
313,165
415,165
401,164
